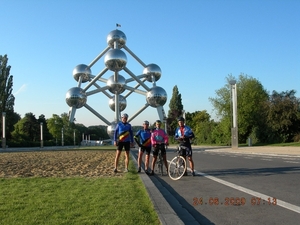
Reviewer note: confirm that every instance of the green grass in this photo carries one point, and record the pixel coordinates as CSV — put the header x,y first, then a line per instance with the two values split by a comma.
x,y
290,144
116,200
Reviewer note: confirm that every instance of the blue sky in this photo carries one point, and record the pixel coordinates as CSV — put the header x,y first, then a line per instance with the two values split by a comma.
x,y
196,43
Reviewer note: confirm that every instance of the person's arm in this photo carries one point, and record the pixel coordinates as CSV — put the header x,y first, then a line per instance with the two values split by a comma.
x,y
190,133
176,136
116,132
131,135
153,142
136,137
116,135
166,138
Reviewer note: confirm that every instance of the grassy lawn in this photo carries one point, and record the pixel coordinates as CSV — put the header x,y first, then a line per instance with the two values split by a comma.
x,y
290,144
76,200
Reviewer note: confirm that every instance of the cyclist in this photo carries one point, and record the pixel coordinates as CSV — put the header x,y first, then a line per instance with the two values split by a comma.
x,y
159,140
123,137
184,134
143,140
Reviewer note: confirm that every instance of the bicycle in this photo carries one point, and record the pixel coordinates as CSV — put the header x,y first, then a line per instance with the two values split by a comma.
x,y
177,166
160,159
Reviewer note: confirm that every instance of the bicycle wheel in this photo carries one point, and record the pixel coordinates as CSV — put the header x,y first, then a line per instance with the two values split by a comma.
x,y
177,167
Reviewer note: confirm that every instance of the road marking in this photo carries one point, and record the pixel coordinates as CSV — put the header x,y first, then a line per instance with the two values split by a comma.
x,y
291,161
266,159
250,192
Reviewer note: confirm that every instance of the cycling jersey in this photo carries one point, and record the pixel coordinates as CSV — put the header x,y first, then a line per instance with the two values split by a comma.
x,y
159,136
144,137
123,133
185,132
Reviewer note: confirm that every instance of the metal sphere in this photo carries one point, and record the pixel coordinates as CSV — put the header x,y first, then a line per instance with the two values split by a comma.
x,y
83,71
111,129
115,60
76,97
152,70
156,97
116,87
118,36
122,103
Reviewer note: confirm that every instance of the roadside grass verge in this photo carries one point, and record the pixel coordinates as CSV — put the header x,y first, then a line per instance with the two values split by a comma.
x,y
40,200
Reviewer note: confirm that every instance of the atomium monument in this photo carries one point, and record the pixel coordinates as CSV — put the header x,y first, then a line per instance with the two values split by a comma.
x,y
116,87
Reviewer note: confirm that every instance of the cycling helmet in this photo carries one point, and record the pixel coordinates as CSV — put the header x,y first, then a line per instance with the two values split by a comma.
x,y
146,122
180,119
158,121
125,115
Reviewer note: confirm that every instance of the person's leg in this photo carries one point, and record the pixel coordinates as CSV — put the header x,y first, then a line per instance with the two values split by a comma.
x,y
154,158
190,153
118,153
154,161
190,158
140,159
127,149
147,157
185,173
126,160
165,161
164,154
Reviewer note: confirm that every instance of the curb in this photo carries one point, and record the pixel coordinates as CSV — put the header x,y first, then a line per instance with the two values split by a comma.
x,y
164,211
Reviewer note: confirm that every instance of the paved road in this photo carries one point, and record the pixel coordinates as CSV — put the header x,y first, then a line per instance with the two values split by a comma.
x,y
266,182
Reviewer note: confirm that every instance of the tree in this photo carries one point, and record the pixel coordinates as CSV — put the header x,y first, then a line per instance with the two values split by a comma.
x,y
251,96
61,129
176,110
54,126
202,126
97,133
7,99
282,116
27,129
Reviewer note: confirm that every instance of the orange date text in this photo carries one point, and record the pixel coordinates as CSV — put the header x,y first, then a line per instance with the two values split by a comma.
x,y
234,201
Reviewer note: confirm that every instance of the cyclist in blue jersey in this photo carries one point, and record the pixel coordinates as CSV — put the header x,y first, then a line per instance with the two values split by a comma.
x,y
123,138
143,139
184,134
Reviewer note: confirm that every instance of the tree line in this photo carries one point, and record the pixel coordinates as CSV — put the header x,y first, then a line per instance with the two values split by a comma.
x,y
262,116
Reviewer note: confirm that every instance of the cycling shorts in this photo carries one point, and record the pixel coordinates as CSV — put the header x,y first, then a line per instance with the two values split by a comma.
x,y
187,151
147,149
158,148
126,145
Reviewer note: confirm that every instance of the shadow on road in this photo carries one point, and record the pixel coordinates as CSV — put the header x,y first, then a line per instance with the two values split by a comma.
x,y
181,207
256,172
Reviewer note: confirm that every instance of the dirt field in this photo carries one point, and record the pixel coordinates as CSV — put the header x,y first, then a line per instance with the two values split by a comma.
x,y
59,164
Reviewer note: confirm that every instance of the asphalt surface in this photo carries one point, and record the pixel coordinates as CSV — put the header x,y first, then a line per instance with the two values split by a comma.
x,y
192,200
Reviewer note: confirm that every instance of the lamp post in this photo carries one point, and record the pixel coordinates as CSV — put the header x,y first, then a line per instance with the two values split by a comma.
x,y
234,129
62,136
3,130
74,137
42,139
